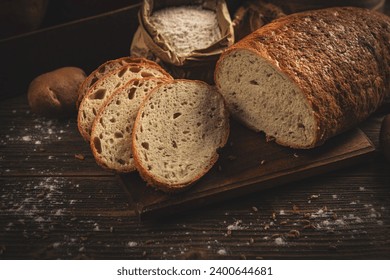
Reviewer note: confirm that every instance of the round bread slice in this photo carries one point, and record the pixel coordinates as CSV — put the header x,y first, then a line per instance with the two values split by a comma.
x,y
178,130
113,125
106,68
105,86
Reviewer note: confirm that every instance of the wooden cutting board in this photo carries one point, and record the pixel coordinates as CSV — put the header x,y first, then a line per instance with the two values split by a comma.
x,y
249,164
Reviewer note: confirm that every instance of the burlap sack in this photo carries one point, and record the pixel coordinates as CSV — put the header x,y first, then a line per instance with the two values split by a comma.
x,y
199,64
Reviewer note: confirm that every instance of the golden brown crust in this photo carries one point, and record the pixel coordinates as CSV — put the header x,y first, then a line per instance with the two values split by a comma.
x,y
107,67
150,178
124,169
338,57
82,131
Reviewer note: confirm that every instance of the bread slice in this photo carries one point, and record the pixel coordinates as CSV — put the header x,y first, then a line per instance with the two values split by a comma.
x,y
104,69
309,76
104,87
113,125
186,28
177,132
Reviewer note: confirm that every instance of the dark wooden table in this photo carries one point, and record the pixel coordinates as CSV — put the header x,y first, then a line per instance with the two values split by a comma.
x,y
56,203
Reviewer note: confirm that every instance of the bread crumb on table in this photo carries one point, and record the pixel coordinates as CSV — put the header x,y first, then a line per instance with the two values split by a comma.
x,y
222,252
280,241
237,225
79,156
132,244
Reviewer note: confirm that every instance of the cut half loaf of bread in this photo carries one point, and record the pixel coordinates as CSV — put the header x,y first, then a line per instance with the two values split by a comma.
x,y
105,86
112,128
177,133
265,99
307,77
104,69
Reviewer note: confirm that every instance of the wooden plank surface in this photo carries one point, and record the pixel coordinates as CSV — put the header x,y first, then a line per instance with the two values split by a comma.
x,y
68,208
247,164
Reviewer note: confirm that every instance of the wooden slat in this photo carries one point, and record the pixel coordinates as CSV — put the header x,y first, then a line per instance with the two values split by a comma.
x,y
80,211
36,146
239,170
353,224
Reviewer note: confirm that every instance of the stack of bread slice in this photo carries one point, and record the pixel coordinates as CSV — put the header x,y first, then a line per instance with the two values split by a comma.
x,y
137,117
105,68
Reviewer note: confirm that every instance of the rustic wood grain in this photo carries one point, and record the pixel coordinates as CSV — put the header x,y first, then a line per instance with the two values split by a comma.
x,y
55,206
250,164
77,211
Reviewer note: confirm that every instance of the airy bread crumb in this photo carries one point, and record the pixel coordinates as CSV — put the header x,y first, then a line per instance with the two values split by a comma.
x,y
178,130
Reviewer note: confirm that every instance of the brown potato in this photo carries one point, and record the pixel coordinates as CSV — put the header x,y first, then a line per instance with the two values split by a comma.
x,y
385,137
54,94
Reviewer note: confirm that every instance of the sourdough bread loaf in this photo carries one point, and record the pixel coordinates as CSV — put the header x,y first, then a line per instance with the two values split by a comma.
x,y
309,76
104,69
177,132
105,86
113,125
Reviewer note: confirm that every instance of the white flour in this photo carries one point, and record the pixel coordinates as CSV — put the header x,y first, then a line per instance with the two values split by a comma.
x,y
187,28
237,225
222,252
279,241
132,244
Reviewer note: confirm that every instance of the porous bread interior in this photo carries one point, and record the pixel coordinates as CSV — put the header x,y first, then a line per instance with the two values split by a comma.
x,y
100,72
112,129
103,89
178,130
187,28
107,67
265,99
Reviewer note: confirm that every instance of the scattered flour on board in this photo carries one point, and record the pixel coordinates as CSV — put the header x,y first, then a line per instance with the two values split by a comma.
x,y
39,204
279,241
42,131
222,252
132,244
237,225
37,199
39,207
